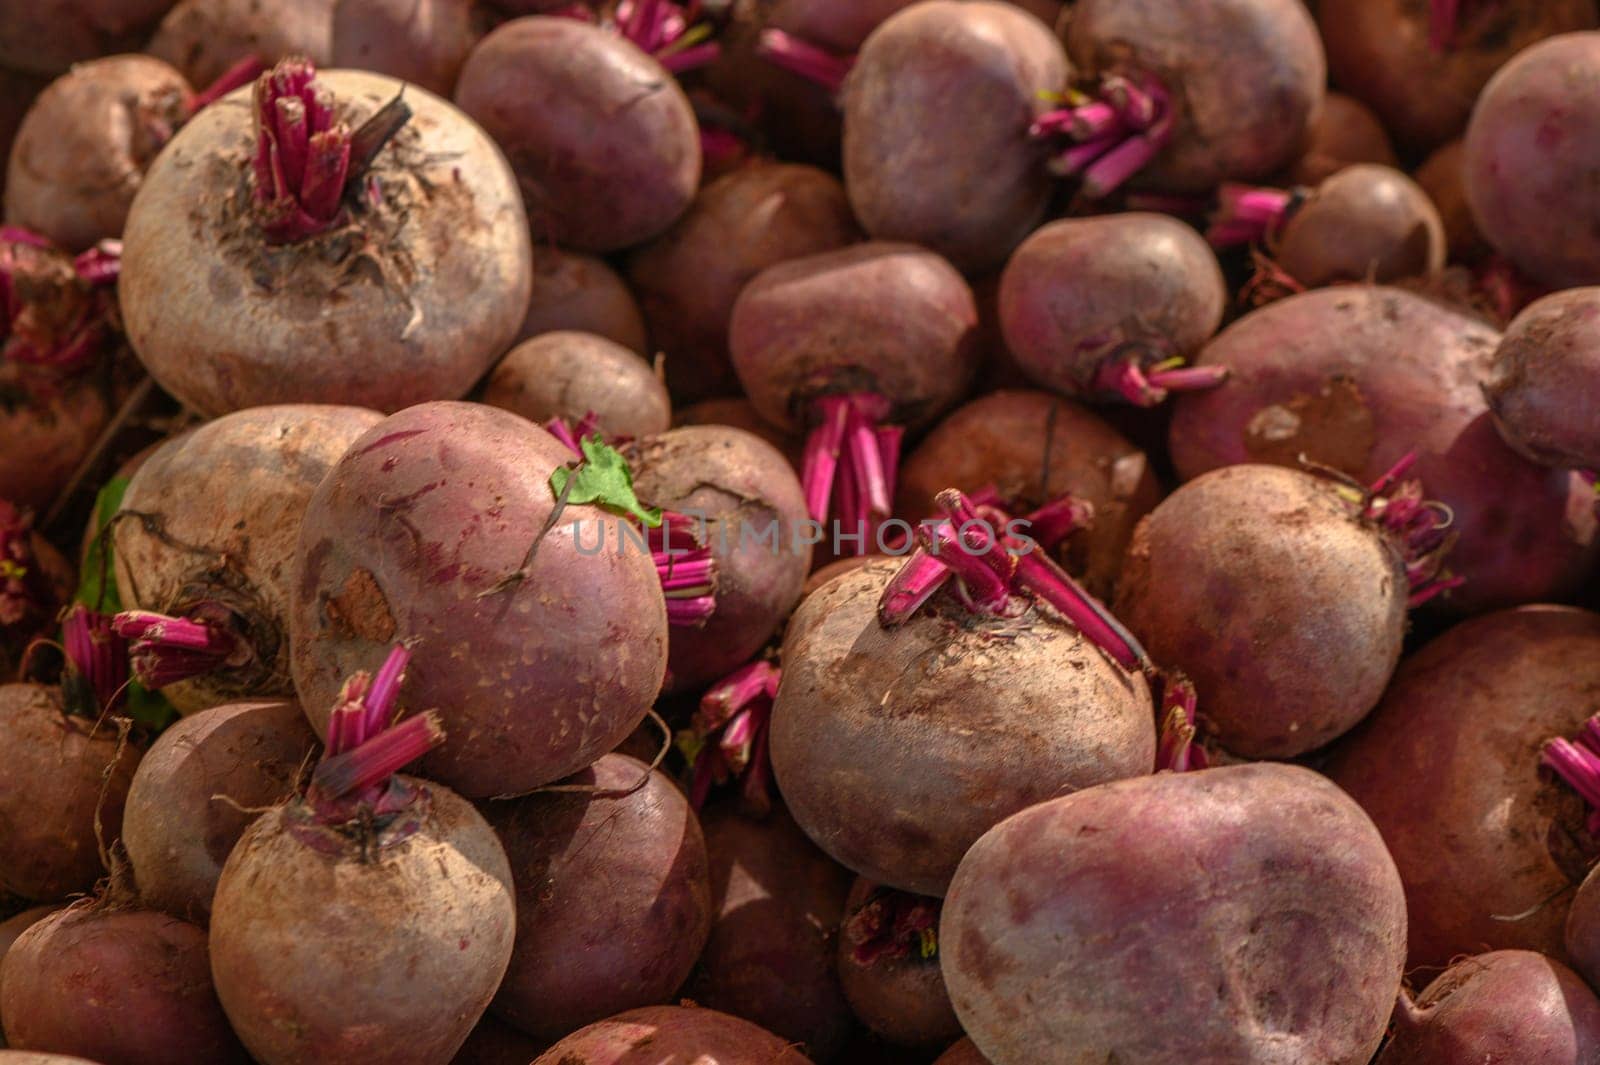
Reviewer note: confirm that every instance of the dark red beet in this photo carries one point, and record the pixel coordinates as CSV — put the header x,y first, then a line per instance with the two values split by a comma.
x,y
1545,388
581,293
889,965
1345,132
48,36
422,41
1442,177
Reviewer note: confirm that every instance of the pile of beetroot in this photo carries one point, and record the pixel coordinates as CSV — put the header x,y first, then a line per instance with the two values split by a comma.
x,y
872,532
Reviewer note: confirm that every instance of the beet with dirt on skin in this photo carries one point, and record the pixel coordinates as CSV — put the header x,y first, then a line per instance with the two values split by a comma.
x,y
1255,907
205,38
571,375
425,42
581,293
392,268
888,957
688,278
1506,1005
656,1033
1544,387
1346,131
736,412
613,896
422,533
49,36
198,788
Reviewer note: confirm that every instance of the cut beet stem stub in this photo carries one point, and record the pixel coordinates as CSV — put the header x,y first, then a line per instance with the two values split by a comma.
x,y
1112,135
894,924
850,463
1579,767
1247,214
96,655
1144,380
727,737
167,649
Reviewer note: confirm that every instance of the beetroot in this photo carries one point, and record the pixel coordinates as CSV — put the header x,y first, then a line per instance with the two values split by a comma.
x,y
204,555
1507,1005
738,413
583,954
198,788
1247,913
655,1034
1187,95
917,710
1345,132
1365,223
120,986
1355,377
583,294
1111,307
851,345
1580,937
889,965
740,224
35,580
1421,65
769,959
936,114
372,919
1034,450
205,38
392,268
1448,768
747,505
48,36
570,375
1530,151
422,41
10,929
603,142
1283,600
422,534
1545,386
1443,178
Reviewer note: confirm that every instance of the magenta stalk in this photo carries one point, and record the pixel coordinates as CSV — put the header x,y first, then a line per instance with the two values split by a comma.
x,y
237,76
377,759
727,737
893,924
1580,769
1247,214
1112,136
96,655
1176,751
166,649
850,463
1127,375
802,58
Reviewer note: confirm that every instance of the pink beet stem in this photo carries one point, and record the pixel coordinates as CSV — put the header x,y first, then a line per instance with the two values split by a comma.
x,y
385,689
679,574
850,507
1589,737
984,589
377,758
678,62
1177,739
1575,765
97,654
1113,168
1048,581
866,463
1061,120
889,440
241,73
1058,519
1397,471
1093,120
1432,590
1074,160
327,165
557,427
913,584
167,649
101,264
1188,378
737,690
1132,104
688,613
805,59
821,459
293,140
735,739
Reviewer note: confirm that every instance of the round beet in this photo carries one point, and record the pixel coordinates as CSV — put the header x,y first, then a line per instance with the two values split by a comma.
x,y
889,965
48,36
207,546
571,375
739,224
936,116
1506,1005
1247,913
738,413
384,278
602,139
655,1034
769,959
896,747
613,896
1102,307
423,41
198,788
1345,132
582,294
1448,766
1581,936
1365,223
745,501
1531,151
1356,377
205,38
1545,385
118,986
1421,65
1442,177
539,662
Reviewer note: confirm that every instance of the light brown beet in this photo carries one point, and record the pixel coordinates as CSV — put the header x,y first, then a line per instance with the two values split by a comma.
x,y
603,141
746,493
1241,914
670,1033
83,149
1378,50
769,959
1544,388
48,36
738,413
221,509
1447,766
341,946
688,279
1356,377
204,38
613,896
1033,448
1263,586
1081,290
404,540
936,116
198,788
875,317
422,41
119,986
1365,223
901,998
429,287
46,438
568,375
1442,178
581,293
54,786
895,749
1246,79
1345,132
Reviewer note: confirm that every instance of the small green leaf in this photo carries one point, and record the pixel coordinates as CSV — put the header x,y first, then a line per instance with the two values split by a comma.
x,y
97,589
603,478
